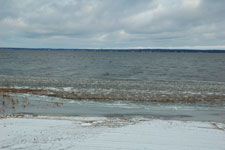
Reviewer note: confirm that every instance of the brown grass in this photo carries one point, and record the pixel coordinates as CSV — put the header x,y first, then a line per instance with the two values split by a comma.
x,y
123,118
164,101
11,116
13,90
3,103
7,96
58,104
160,98
24,105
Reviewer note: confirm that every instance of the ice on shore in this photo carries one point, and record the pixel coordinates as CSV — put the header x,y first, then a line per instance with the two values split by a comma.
x,y
109,133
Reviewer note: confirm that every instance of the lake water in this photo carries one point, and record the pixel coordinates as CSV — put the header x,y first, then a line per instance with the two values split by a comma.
x,y
141,81
114,65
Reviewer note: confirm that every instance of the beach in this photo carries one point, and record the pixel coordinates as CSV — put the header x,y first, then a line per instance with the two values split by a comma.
x,y
45,132
112,75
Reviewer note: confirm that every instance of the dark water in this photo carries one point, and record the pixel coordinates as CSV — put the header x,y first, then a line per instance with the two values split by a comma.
x,y
114,65
173,85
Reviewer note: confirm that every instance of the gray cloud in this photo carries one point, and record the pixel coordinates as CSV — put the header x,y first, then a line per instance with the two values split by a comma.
x,y
112,24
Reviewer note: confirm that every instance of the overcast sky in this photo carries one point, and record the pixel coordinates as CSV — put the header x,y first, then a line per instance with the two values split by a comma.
x,y
113,23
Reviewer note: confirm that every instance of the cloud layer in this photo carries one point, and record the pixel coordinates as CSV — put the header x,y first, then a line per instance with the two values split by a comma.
x,y
112,24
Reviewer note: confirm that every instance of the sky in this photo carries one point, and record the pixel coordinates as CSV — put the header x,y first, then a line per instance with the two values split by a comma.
x,y
195,24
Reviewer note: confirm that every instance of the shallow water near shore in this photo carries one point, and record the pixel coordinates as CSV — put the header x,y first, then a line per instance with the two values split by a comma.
x,y
42,105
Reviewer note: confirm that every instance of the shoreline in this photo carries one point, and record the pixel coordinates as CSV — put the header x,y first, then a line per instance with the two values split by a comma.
x,y
31,104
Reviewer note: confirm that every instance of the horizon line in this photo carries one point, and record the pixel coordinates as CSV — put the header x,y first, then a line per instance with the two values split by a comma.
x,y
127,48
160,50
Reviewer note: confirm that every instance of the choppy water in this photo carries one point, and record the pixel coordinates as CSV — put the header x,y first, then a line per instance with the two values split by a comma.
x,y
114,65
168,79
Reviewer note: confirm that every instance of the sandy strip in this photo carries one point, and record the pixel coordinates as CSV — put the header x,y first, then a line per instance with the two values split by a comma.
x,y
102,133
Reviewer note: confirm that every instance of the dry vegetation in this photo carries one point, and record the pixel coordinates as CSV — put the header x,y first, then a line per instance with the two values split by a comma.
x,y
160,98
8,101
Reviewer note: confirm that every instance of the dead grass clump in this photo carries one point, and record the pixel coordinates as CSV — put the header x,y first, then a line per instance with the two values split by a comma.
x,y
13,90
19,115
6,95
12,101
3,103
24,105
58,104
123,118
11,116
17,101
164,101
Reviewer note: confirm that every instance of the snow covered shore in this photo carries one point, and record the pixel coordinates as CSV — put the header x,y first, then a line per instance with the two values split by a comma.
x,y
103,133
